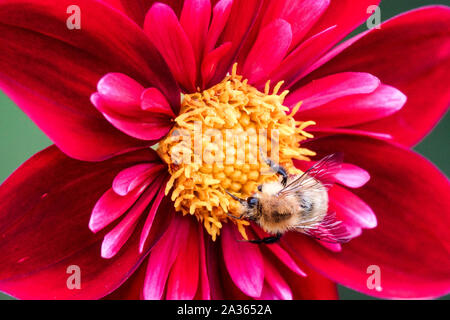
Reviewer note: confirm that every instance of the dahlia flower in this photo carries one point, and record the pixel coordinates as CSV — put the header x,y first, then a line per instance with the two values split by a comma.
x,y
109,197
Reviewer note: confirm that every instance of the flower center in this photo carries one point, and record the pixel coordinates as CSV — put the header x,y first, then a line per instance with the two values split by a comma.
x,y
216,145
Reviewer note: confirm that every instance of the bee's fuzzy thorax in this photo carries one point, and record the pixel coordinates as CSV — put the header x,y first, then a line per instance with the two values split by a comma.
x,y
277,214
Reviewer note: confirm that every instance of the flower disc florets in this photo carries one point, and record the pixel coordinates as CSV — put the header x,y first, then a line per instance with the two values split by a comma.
x,y
216,146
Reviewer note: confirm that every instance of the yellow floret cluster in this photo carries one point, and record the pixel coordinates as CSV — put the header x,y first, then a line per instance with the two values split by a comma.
x,y
216,144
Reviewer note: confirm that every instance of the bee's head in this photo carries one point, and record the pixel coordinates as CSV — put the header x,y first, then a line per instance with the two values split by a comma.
x,y
252,202
249,207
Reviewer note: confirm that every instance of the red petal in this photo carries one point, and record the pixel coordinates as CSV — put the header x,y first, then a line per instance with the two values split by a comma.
x,y
346,15
163,256
356,109
153,101
351,210
323,131
132,177
144,125
299,60
280,253
137,9
221,13
409,52
195,19
243,261
184,276
411,243
349,175
132,288
151,215
242,17
352,176
321,91
313,287
268,51
110,207
214,263
274,279
50,71
301,14
205,293
211,62
120,92
116,238
166,33
44,214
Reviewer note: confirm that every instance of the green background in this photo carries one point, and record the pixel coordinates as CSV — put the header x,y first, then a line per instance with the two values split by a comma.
x,y
20,138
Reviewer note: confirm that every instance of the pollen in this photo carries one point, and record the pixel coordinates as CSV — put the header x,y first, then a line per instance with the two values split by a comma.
x,y
216,145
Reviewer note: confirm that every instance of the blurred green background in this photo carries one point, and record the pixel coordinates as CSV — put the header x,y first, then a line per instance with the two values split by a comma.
x,y
20,138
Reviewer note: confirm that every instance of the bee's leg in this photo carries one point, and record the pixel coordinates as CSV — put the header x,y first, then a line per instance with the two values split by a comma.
x,y
267,240
276,168
235,217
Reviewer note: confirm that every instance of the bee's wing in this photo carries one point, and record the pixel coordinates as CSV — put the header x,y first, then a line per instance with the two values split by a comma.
x,y
320,174
328,230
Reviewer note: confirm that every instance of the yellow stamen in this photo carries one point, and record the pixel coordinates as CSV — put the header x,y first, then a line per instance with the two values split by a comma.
x,y
205,160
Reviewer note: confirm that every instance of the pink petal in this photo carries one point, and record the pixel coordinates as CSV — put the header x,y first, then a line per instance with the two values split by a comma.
x,y
415,46
163,256
349,175
221,12
50,71
145,131
44,213
301,15
268,293
130,178
335,247
323,131
151,215
137,9
211,62
184,275
110,207
120,91
204,279
132,289
350,208
281,254
352,176
162,27
116,238
356,109
268,51
243,261
322,91
242,17
346,15
293,66
313,287
276,281
153,101
195,19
